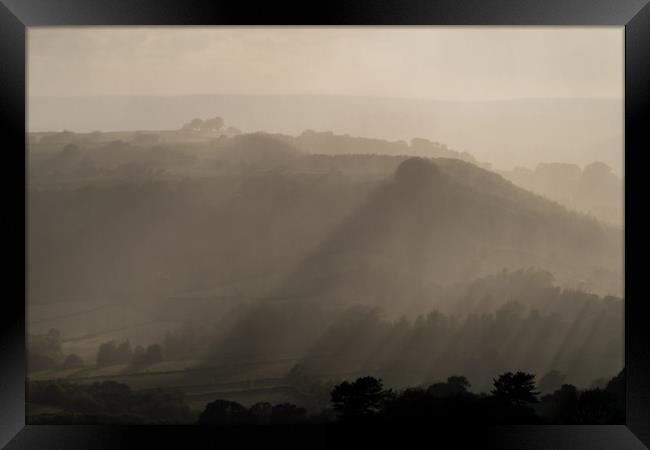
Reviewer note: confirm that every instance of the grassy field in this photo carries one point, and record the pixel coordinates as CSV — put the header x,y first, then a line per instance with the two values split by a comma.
x,y
86,325
33,409
246,383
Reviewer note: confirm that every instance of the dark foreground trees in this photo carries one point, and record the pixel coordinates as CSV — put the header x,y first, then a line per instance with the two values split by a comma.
x,y
104,402
517,389
226,412
514,400
569,405
360,399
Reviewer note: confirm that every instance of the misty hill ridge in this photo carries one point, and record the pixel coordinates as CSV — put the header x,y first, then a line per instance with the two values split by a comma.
x,y
595,188
579,130
436,228
441,221
156,221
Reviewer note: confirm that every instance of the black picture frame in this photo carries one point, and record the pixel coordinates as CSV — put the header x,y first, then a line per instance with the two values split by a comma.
x,y
16,15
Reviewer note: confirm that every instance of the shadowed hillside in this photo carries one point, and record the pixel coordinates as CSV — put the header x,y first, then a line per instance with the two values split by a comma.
x,y
441,221
220,254
148,220
418,237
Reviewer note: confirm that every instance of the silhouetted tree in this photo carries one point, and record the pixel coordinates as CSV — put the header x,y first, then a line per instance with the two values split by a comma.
x,y
224,412
138,353
616,388
455,385
596,407
106,354
361,398
214,124
516,388
123,353
261,412
152,355
195,124
562,405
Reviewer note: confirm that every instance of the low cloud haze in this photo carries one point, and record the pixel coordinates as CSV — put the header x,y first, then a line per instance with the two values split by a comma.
x,y
441,63
511,96
265,225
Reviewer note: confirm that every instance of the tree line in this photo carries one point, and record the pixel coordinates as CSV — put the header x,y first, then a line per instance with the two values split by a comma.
x,y
513,399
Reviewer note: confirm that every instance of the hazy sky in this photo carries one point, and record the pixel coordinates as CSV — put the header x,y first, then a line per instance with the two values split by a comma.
x,y
479,63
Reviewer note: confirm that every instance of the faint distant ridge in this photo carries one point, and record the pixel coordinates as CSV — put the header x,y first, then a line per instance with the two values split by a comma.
x,y
506,133
594,188
329,143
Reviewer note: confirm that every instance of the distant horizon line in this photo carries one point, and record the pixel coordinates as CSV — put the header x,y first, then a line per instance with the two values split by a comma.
x,y
505,99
